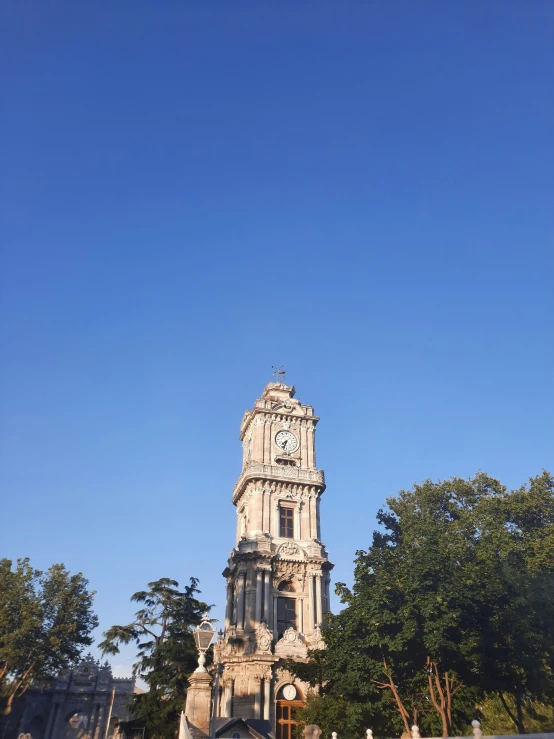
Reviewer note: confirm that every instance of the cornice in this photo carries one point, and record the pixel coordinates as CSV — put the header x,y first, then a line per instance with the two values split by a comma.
x,y
277,473
270,411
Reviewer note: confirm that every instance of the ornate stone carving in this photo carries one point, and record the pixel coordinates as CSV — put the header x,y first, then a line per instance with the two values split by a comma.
x,y
290,549
291,644
264,639
316,642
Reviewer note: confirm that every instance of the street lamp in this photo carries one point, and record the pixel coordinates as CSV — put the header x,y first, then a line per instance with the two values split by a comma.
x,y
203,635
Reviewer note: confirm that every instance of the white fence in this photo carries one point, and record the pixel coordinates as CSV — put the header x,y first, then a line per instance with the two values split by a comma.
x,y
477,734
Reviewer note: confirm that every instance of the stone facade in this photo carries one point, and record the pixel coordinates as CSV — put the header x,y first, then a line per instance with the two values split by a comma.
x,y
76,705
278,574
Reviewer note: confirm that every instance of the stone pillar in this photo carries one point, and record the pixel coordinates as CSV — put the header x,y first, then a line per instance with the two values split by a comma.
x,y
259,596
297,528
260,503
275,618
95,724
313,518
267,697
240,599
199,701
266,596
303,443
312,600
318,520
257,698
310,445
276,531
249,597
267,442
228,697
229,605
267,509
319,615
51,717
56,722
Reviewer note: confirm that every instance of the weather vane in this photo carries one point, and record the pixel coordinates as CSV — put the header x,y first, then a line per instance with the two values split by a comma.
x,y
279,373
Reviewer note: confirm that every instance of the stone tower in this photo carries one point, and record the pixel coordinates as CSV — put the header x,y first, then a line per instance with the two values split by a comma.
x,y
278,574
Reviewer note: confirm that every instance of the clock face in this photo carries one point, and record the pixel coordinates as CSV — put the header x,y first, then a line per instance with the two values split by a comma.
x,y
286,441
289,692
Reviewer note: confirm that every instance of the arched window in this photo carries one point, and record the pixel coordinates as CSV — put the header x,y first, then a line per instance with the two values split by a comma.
x,y
286,587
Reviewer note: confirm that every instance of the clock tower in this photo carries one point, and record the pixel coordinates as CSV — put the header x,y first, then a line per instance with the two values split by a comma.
x,y
278,573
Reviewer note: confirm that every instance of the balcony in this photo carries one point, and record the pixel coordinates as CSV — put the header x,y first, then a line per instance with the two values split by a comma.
x,y
279,473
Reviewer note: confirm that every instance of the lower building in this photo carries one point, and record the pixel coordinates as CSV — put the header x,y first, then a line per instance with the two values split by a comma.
x,y
84,702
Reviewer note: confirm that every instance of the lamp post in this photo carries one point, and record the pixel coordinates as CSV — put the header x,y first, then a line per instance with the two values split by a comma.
x,y
203,635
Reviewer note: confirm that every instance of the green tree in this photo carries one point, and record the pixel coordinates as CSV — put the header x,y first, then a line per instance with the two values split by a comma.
x,y
163,632
518,635
45,622
453,598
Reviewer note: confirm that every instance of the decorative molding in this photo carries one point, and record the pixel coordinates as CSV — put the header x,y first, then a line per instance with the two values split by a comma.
x,y
290,550
279,472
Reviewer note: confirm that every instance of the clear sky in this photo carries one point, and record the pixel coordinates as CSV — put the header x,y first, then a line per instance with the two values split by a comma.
x,y
193,192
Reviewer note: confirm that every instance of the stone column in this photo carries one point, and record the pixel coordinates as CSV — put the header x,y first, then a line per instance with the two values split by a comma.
x,y
319,615
267,442
259,596
51,717
228,697
257,698
266,596
260,503
249,597
297,532
313,518
267,510
317,518
275,618
229,605
240,600
199,701
276,531
310,445
312,604
56,722
303,443
267,697
95,724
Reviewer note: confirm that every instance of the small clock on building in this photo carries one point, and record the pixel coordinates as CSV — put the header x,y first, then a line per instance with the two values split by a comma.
x,y
289,692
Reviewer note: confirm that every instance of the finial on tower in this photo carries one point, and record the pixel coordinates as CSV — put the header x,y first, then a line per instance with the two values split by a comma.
x,y
279,373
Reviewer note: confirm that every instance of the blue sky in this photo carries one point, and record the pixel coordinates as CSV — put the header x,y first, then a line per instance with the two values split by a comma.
x,y
193,192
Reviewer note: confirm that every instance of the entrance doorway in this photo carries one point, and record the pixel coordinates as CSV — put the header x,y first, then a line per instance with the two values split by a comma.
x,y
289,702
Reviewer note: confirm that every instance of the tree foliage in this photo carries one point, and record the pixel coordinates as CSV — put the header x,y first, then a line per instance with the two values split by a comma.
x,y
453,599
45,622
163,633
